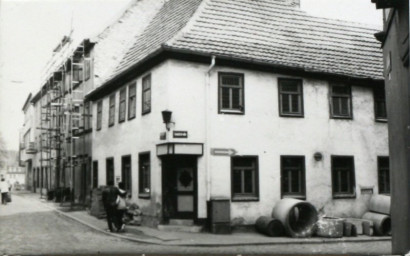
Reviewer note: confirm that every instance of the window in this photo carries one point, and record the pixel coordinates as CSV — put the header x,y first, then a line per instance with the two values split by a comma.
x,y
87,116
87,69
77,73
343,180
380,104
245,178
109,171
341,101
146,94
290,97
384,175
95,174
99,114
293,176
126,172
144,175
121,114
231,93
111,114
132,100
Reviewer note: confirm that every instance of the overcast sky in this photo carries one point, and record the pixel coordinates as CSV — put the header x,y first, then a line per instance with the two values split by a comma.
x,y
30,29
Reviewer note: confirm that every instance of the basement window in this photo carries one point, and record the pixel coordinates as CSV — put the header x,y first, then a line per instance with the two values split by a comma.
x,y
343,177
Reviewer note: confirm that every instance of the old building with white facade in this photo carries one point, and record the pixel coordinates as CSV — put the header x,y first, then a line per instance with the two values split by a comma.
x,y
249,101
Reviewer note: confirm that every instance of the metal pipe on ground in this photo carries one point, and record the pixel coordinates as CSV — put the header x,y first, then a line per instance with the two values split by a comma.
x,y
380,204
298,217
381,223
269,226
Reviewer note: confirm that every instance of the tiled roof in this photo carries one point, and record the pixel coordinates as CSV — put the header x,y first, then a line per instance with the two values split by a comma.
x,y
114,41
264,31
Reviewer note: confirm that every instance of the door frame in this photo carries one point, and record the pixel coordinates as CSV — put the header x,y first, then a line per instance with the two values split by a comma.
x,y
173,161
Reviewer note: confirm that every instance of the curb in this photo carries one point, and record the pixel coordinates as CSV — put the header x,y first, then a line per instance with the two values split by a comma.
x,y
316,241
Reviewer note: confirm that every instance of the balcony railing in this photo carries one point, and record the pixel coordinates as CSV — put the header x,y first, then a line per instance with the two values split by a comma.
x,y
31,148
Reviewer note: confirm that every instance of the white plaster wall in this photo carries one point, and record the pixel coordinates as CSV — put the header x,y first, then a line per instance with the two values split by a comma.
x,y
180,87
132,137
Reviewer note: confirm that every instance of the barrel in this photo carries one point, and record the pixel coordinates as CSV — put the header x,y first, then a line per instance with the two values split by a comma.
x,y
269,226
298,217
381,223
380,204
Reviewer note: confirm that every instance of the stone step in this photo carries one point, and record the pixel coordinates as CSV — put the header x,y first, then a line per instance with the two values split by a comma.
x,y
182,222
180,228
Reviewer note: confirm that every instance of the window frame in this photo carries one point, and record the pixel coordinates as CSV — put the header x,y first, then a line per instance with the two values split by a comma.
x,y
341,95
241,110
106,169
300,113
122,105
99,115
133,107
341,195
378,93
128,183
87,68
245,197
95,174
302,193
379,170
143,194
145,98
111,110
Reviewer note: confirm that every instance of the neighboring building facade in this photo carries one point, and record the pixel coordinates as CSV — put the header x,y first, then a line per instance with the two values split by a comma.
x,y
395,44
56,136
280,104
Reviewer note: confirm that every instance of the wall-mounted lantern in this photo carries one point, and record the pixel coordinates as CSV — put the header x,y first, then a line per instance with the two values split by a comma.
x,y
318,156
166,117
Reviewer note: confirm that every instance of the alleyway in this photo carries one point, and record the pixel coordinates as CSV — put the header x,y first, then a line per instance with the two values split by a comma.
x,y
29,227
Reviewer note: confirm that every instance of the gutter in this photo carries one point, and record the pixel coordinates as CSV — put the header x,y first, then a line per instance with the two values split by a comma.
x,y
207,128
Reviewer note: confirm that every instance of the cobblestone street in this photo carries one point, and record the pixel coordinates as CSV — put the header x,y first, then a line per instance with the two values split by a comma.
x,y
30,227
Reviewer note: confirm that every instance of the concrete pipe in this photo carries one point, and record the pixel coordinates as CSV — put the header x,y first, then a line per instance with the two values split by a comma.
x,y
297,216
380,204
269,226
381,223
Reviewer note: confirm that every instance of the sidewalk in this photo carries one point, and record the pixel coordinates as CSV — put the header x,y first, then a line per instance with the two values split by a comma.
x,y
154,236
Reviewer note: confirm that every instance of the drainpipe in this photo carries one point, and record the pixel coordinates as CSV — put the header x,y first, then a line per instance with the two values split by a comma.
x,y
207,128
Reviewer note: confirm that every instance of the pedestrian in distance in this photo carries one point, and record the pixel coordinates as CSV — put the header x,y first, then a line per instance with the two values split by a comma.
x,y
121,206
4,189
109,197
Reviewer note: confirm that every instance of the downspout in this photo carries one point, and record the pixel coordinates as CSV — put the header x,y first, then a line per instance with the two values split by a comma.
x,y
207,128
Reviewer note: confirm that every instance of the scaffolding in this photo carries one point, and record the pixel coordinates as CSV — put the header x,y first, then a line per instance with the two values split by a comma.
x,y
62,119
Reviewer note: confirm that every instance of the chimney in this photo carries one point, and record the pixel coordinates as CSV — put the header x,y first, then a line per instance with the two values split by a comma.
x,y
293,3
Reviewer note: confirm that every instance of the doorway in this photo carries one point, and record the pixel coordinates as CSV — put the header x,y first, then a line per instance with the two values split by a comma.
x,y
179,186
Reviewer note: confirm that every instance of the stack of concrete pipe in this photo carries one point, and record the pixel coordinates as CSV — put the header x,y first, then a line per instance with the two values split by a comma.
x,y
379,214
